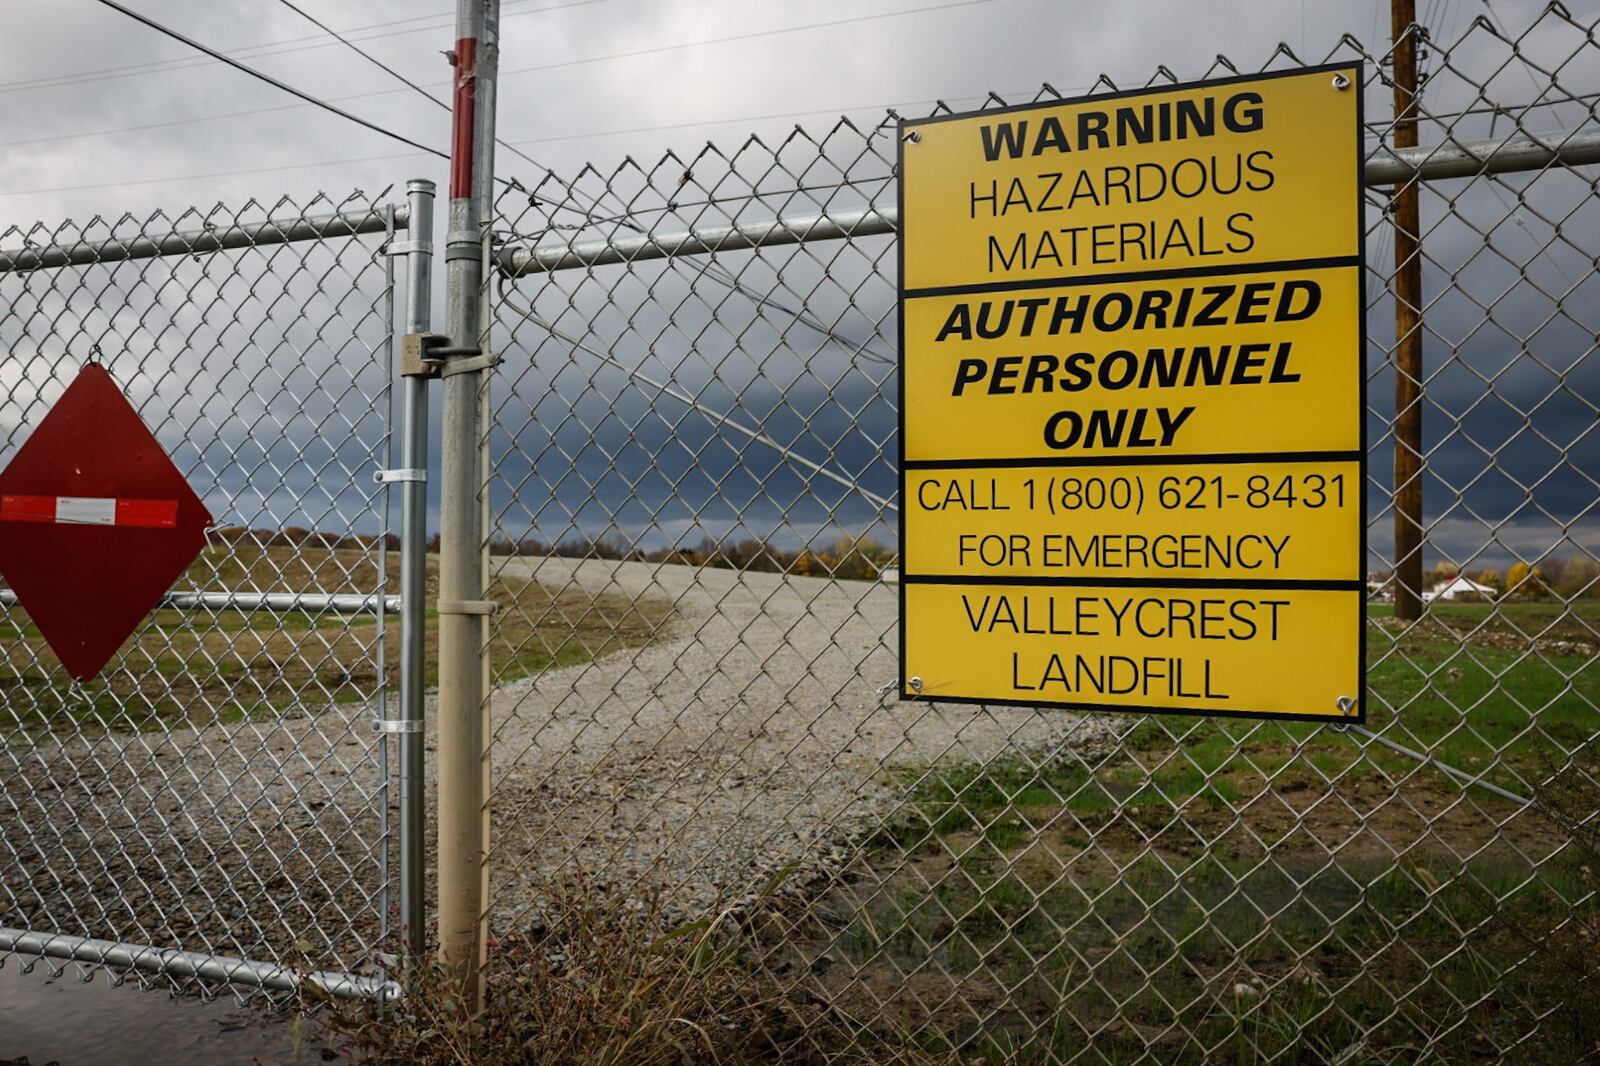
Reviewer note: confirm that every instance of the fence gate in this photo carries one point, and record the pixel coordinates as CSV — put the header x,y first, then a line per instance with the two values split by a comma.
x,y
214,805
693,487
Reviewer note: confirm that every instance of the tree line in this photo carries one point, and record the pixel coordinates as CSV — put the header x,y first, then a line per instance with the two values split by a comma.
x,y
1570,577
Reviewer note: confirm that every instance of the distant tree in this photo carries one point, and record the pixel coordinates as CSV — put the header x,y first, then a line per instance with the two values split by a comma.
x,y
1489,578
609,546
858,558
1525,581
1440,574
1579,578
1551,571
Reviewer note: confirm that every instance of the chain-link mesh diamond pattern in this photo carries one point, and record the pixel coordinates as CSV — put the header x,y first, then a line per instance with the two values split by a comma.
x,y
692,475
219,787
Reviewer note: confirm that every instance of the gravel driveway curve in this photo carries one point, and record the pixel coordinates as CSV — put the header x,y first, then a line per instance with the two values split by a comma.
x,y
755,736
749,738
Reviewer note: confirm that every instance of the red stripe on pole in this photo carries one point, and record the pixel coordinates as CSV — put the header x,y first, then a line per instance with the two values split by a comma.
x,y
150,514
462,148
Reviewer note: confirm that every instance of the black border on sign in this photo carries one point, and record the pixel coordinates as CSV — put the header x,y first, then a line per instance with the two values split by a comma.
x,y
1165,459
1170,274
1359,148
1357,72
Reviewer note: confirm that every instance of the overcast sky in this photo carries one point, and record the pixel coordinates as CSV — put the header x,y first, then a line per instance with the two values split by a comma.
x,y
564,98
105,116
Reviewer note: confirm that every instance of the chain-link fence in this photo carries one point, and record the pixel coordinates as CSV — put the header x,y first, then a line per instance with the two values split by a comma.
x,y
693,494
214,804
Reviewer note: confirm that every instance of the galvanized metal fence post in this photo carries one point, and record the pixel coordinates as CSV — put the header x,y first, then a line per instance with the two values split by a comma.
x,y
463,610
414,576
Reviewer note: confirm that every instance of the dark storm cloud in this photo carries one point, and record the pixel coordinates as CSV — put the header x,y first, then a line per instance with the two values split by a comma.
x,y
584,446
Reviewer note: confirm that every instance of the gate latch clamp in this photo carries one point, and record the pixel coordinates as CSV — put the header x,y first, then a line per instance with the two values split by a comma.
x,y
415,352
430,355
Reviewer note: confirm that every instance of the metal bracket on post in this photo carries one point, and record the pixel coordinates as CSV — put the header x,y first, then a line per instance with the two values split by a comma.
x,y
384,477
430,355
407,247
463,245
466,364
415,352
397,725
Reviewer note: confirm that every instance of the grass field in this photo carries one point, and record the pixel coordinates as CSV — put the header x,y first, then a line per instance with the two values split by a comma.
x,y
1210,887
200,667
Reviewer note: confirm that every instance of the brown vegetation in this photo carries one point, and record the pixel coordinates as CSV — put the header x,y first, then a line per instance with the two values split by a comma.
x,y
849,558
199,666
599,981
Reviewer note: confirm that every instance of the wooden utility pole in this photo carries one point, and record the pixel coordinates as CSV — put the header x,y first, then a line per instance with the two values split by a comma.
x,y
1407,327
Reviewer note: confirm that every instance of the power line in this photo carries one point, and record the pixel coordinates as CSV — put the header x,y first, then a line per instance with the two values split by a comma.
x,y
271,48
530,140
368,56
753,35
424,93
307,97
368,159
173,122
325,105
841,111
445,84
124,182
270,80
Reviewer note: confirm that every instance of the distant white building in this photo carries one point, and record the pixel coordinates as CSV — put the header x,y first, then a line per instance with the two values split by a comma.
x,y
1460,588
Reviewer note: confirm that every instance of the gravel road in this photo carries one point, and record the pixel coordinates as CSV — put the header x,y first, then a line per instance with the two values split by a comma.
x,y
755,737
751,737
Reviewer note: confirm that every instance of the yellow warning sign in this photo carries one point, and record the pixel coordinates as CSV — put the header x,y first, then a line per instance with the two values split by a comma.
x,y
1206,176
1131,363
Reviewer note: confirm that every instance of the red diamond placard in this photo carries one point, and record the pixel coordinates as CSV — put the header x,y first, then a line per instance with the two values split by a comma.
x,y
95,523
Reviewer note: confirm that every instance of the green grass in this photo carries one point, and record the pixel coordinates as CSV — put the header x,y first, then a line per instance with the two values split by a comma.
x,y
1142,958
1578,620
1118,899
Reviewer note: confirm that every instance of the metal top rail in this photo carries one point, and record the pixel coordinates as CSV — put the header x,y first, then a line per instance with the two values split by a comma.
x,y
207,239
1388,166
313,602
